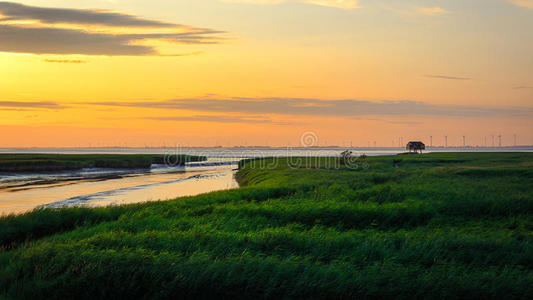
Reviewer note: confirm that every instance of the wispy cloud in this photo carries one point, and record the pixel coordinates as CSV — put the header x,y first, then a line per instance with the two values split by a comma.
x,y
523,3
342,4
17,11
396,122
410,11
217,119
67,41
405,122
35,104
319,107
15,109
432,11
523,87
447,77
39,30
65,61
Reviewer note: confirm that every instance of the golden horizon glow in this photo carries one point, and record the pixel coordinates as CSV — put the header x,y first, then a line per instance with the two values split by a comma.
x,y
445,68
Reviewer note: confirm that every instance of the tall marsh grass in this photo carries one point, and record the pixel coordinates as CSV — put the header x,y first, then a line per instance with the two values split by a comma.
x,y
456,225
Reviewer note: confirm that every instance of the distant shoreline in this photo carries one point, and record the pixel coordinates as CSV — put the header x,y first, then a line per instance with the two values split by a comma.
x,y
475,147
41,162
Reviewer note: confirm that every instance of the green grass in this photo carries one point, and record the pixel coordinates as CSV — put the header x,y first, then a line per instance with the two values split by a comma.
x,y
61,162
454,225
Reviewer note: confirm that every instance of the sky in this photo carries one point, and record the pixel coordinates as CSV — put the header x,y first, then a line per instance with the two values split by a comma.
x,y
135,73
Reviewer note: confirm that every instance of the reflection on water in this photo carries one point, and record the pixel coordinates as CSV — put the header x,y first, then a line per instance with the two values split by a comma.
x,y
154,187
97,187
133,188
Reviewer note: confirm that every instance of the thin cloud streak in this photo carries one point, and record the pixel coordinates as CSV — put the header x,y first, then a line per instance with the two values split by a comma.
x,y
66,41
36,104
217,119
319,107
405,122
74,41
65,61
432,11
342,4
17,11
447,77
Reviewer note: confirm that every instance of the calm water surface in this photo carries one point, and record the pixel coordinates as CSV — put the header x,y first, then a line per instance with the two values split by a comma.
x,y
101,187
128,188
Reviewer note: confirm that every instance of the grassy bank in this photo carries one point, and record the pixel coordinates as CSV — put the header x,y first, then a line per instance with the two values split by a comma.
x,y
62,162
454,225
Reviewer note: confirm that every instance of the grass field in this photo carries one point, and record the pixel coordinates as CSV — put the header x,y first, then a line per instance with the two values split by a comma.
x,y
62,162
454,225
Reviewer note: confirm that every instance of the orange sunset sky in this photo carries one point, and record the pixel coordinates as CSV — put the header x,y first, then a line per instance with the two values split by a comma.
x,y
136,73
